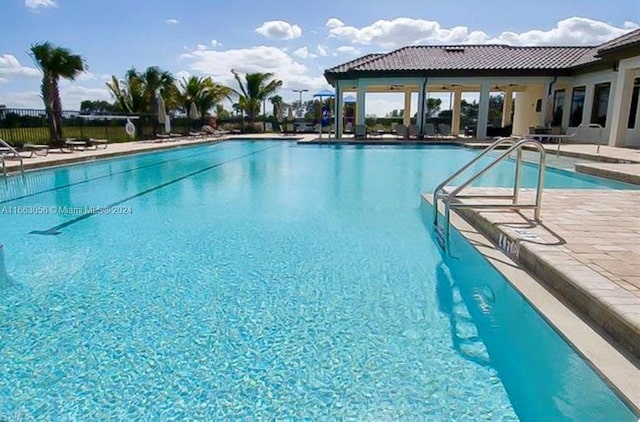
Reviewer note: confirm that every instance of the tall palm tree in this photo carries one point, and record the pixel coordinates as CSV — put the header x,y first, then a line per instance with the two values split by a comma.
x,y
138,91
203,92
278,106
55,63
255,88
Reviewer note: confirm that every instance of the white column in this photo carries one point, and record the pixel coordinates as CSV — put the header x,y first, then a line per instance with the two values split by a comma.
x,y
339,104
406,116
507,105
455,112
588,104
566,107
621,106
483,111
544,105
360,100
422,95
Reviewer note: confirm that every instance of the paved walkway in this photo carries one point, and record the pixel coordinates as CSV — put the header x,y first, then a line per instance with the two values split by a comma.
x,y
587,248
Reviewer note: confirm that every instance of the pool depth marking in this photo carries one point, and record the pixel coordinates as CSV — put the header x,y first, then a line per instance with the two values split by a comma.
x,y
55,230
106,175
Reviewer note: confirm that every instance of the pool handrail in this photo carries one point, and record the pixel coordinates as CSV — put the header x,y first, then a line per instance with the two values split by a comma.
x,y
447,198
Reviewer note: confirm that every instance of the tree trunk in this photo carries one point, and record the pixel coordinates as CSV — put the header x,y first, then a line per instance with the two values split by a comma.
x,y
48,106
57,109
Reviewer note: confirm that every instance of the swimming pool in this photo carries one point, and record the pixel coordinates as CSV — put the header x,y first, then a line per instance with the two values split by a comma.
x,y
268,279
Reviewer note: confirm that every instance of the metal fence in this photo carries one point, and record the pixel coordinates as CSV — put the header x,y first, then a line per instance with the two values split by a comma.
x,y
20,126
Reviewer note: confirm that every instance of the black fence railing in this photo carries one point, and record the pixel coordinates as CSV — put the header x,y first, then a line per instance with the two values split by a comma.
x,y
19,126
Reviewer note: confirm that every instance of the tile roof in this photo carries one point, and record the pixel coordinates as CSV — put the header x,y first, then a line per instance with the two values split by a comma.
x,y
626,40
483,58
467,57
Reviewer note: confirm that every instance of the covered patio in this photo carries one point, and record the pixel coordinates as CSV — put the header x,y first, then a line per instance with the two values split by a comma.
x,y
553,89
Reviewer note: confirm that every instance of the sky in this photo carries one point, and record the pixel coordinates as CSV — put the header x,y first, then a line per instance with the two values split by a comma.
x,y
296,40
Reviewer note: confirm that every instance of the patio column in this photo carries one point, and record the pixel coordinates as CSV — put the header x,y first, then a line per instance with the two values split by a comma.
x,y
507,106
339,104
406,116
483,111
422,95
621,106
360,99
544,107
455,112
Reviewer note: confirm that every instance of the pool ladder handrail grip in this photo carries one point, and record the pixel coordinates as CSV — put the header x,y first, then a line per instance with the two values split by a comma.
x,y
15,153
443,233
440,187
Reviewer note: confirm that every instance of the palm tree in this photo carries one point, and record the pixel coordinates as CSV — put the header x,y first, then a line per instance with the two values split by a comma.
x,y
138,91
278,106
55,63
256,88
203,91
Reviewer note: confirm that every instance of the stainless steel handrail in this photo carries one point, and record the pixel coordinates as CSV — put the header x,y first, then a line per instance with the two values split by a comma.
x,y
440,187
517,146
16,155
4,167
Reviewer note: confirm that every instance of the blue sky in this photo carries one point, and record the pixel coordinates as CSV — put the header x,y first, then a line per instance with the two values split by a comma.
x,y
296,40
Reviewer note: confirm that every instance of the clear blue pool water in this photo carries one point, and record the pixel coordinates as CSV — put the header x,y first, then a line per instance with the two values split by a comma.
x,y
266,280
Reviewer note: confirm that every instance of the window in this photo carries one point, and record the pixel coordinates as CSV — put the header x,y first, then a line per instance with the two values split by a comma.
x,y
633,111
577,105
600,104
558,107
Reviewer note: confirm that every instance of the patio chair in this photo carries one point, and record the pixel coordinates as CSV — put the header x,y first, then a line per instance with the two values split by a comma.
x,y
413,131
378,131
429,130
361,132
444,129
401,132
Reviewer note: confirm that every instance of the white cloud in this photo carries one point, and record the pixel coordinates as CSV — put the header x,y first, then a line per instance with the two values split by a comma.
x,y
279,30
303,53
201,47
10,66
172,21
24,99
217,64
322,51
215,43
73,95
570,31
34,4
3,81
403,31
347,49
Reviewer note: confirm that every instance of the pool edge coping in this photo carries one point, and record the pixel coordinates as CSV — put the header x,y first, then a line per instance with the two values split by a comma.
x,y
615,368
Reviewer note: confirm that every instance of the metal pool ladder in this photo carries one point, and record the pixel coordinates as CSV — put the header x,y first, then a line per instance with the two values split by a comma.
x,y
447,196
14,153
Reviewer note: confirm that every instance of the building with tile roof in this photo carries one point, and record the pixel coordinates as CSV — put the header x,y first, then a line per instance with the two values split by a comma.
x,y
591,91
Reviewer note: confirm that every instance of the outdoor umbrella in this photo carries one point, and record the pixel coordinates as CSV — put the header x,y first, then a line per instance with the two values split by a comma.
x,y
349,99
162,111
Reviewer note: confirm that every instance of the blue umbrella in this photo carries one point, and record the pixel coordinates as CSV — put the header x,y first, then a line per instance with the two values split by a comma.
x,y
349,99
324,93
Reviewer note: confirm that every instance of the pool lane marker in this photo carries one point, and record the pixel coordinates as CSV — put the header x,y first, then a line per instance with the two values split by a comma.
x,y
109,175
55,230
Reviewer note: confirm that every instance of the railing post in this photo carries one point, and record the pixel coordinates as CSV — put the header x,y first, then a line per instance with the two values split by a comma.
x,y
517,176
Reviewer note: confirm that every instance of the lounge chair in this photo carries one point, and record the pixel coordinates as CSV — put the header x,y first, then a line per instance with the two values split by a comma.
x,y
40,150
74,145
95,143
361,132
